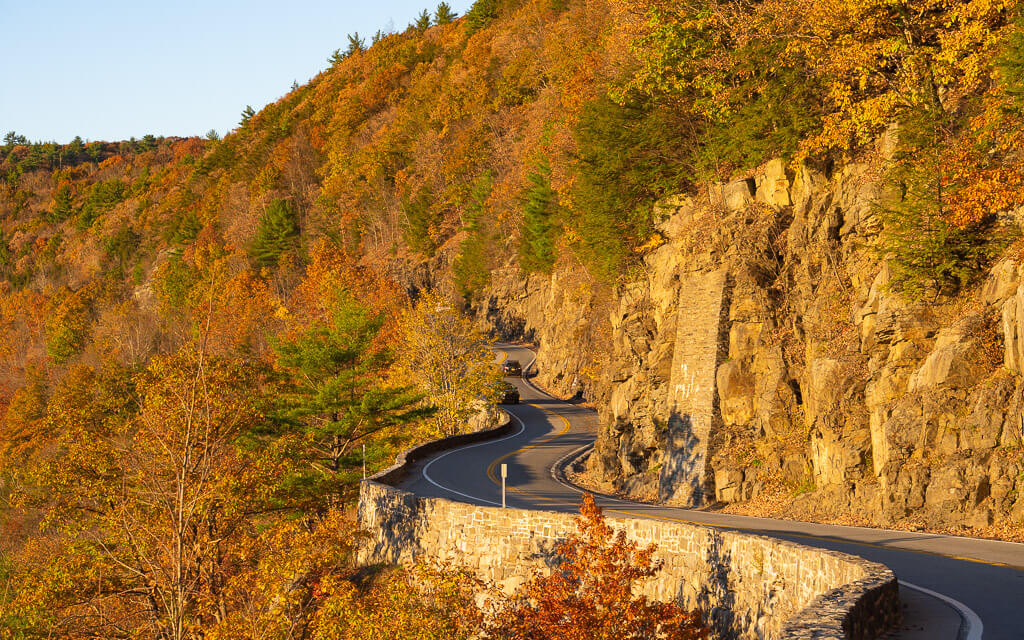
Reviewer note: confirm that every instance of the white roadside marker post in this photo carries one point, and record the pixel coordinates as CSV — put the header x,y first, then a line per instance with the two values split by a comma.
x,y
504,474
364,462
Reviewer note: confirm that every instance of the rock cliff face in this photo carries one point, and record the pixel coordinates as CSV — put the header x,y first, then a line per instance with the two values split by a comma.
x,y
823,383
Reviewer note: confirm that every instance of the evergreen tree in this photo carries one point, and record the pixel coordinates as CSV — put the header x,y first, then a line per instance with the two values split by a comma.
x,y
472,267
334,390
773,108
444,14
247,115
5,252
422,21
75,150
540,224
420,220
336,57
120,246
277,234
927,252
630,155
355,44
93,151
481,14
62,205
13,139
102,197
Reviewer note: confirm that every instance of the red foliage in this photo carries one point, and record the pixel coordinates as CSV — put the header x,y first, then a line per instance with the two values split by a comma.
x,y
590,595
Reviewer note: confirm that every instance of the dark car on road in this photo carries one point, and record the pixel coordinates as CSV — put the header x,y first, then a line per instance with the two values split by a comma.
x,y
512,368
508,394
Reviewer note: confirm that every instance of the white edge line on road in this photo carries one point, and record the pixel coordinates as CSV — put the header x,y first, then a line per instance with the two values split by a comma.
x,y
971,628
522,428
426,476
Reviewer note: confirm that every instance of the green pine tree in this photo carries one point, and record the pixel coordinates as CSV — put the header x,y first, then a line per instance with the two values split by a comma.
x,y
444,14
62,206
472,267
928,255
5,252
540,221
481,14
277,234
422,21
247,115
333,390
630,155
75,150
102,197
355,44
1011,64
420,220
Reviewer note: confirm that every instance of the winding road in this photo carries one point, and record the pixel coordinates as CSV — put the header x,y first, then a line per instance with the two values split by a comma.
x,y
952,587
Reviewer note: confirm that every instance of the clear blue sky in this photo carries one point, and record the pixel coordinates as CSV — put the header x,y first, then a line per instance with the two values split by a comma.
x,y
113,69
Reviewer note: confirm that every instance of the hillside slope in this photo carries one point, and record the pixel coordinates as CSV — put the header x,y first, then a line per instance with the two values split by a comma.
x,y
514,158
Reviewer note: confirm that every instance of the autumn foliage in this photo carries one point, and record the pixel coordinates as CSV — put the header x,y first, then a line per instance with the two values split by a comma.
x,y
198,336
590,594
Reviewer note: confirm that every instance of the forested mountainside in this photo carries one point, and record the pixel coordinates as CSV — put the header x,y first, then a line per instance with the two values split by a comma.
x,y
538,162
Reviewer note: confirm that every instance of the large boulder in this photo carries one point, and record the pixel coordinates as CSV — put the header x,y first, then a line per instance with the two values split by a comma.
x,y
738,194
772,185
735,393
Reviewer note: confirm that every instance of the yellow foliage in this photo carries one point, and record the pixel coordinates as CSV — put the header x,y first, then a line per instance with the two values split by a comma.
x,y
446,357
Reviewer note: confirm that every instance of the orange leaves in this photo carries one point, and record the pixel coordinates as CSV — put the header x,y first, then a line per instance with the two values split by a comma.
x,y
115,160
980,190
150,499
328,271
189,147
241,315
590,596
22,317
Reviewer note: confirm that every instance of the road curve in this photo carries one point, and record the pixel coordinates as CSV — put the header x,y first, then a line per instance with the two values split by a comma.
x,y
982,579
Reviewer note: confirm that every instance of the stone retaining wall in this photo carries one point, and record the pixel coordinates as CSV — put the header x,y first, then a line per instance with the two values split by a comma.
x,y
749,586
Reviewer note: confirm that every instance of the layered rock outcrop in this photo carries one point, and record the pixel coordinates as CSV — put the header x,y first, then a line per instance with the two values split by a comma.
x,y
827,383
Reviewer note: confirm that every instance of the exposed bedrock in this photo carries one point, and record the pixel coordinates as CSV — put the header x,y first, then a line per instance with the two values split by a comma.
x,y
824,382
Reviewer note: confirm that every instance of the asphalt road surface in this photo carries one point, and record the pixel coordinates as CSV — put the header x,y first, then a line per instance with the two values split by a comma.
x,y
981,580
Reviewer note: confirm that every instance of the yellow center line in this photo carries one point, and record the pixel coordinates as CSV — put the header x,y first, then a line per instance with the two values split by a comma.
x,y
490,470
804,536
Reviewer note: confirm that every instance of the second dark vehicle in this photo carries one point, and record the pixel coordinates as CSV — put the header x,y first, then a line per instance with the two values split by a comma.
x,y
508,394
512,368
